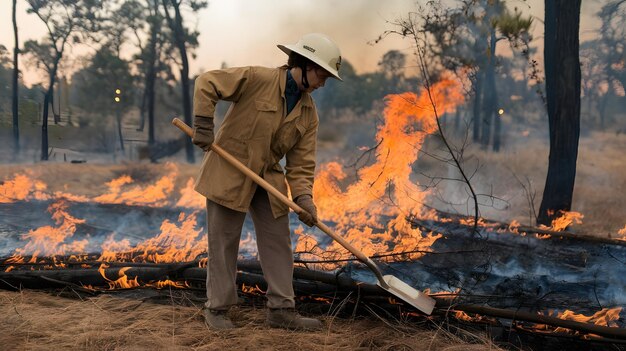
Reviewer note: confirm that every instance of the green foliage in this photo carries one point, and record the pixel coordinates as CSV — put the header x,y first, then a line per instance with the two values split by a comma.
x,y
94,86
392,63
514,26
5,79
40,55
175,20
28,106
613,40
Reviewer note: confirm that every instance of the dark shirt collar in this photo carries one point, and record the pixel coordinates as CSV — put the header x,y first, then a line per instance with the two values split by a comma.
x,y
292,93
292,87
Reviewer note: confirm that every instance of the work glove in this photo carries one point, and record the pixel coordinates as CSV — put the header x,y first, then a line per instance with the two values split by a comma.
x,y
309,216
203,132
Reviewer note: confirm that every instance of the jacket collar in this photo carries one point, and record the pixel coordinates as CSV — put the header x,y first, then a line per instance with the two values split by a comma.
x,y
305,99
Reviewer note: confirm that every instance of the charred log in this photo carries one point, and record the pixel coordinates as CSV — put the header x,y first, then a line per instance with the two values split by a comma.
x,y
617,333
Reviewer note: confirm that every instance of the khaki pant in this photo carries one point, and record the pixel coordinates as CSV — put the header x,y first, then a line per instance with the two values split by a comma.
x,y
275,253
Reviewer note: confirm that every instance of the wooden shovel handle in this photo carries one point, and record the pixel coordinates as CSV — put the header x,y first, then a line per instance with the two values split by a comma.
x,y
270,189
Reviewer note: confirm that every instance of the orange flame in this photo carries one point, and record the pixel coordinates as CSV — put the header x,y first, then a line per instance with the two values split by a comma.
x,y
49,240
122,282
605,317
174,244
514,227
154,195
463,316
565,220
622,232
111,248
161,284
190,198
20,188
255,290
384,188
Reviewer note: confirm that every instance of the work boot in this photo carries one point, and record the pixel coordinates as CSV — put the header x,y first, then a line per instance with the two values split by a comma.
x,y
288,318
217,319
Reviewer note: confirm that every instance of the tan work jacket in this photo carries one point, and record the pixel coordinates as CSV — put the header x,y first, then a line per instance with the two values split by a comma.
x,y
257,132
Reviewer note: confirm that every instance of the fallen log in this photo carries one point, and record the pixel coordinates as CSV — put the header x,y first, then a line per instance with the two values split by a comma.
x,y
617,333
492,225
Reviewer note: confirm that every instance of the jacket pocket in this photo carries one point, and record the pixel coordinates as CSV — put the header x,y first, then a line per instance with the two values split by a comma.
x,y
237,148
286,137
266,116
265,106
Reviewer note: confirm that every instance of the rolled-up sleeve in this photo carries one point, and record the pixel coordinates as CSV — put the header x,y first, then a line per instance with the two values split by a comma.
x,y
226,84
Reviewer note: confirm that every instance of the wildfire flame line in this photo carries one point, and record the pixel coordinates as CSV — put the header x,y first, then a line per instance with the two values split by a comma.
x,y
385,187
371,211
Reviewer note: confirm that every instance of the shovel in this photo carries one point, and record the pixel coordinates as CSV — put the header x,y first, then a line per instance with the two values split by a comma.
x,y
390,283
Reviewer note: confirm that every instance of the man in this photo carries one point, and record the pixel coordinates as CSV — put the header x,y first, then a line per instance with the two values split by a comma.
x,y
272,116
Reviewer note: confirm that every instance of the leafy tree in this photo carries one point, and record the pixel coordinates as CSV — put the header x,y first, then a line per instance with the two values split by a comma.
x,y
5,67
613,48
393,65
183,38
613,34
111,76
464,40
594,80
65,21
95,85
129,23
152,59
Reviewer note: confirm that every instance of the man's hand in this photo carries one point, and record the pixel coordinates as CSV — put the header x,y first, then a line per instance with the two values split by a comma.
x,y
203,132
309,216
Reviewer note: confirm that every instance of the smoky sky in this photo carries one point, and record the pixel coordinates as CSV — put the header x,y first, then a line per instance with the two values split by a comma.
x,y
245,32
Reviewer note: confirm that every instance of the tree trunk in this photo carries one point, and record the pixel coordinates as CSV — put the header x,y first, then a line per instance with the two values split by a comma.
x,y
176,25
490,95
151,76
44,127
603,101
478,94
56,116
497,132
564,121
548,54
16,50
118,116
142,111
189,149
47,100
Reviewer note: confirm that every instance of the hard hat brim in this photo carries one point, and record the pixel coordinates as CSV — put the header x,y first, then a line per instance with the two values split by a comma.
x,y
288,49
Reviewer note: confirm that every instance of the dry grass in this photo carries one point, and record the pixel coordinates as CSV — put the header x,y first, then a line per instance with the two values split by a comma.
x,y
89,179
39,321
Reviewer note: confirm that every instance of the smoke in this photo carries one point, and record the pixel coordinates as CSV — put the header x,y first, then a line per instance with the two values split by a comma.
x,y
250,38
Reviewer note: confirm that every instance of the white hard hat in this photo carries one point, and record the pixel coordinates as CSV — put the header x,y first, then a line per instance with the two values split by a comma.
x,y
319,49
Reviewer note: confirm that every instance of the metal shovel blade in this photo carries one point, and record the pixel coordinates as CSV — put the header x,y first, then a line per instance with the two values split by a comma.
x,y
408,294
